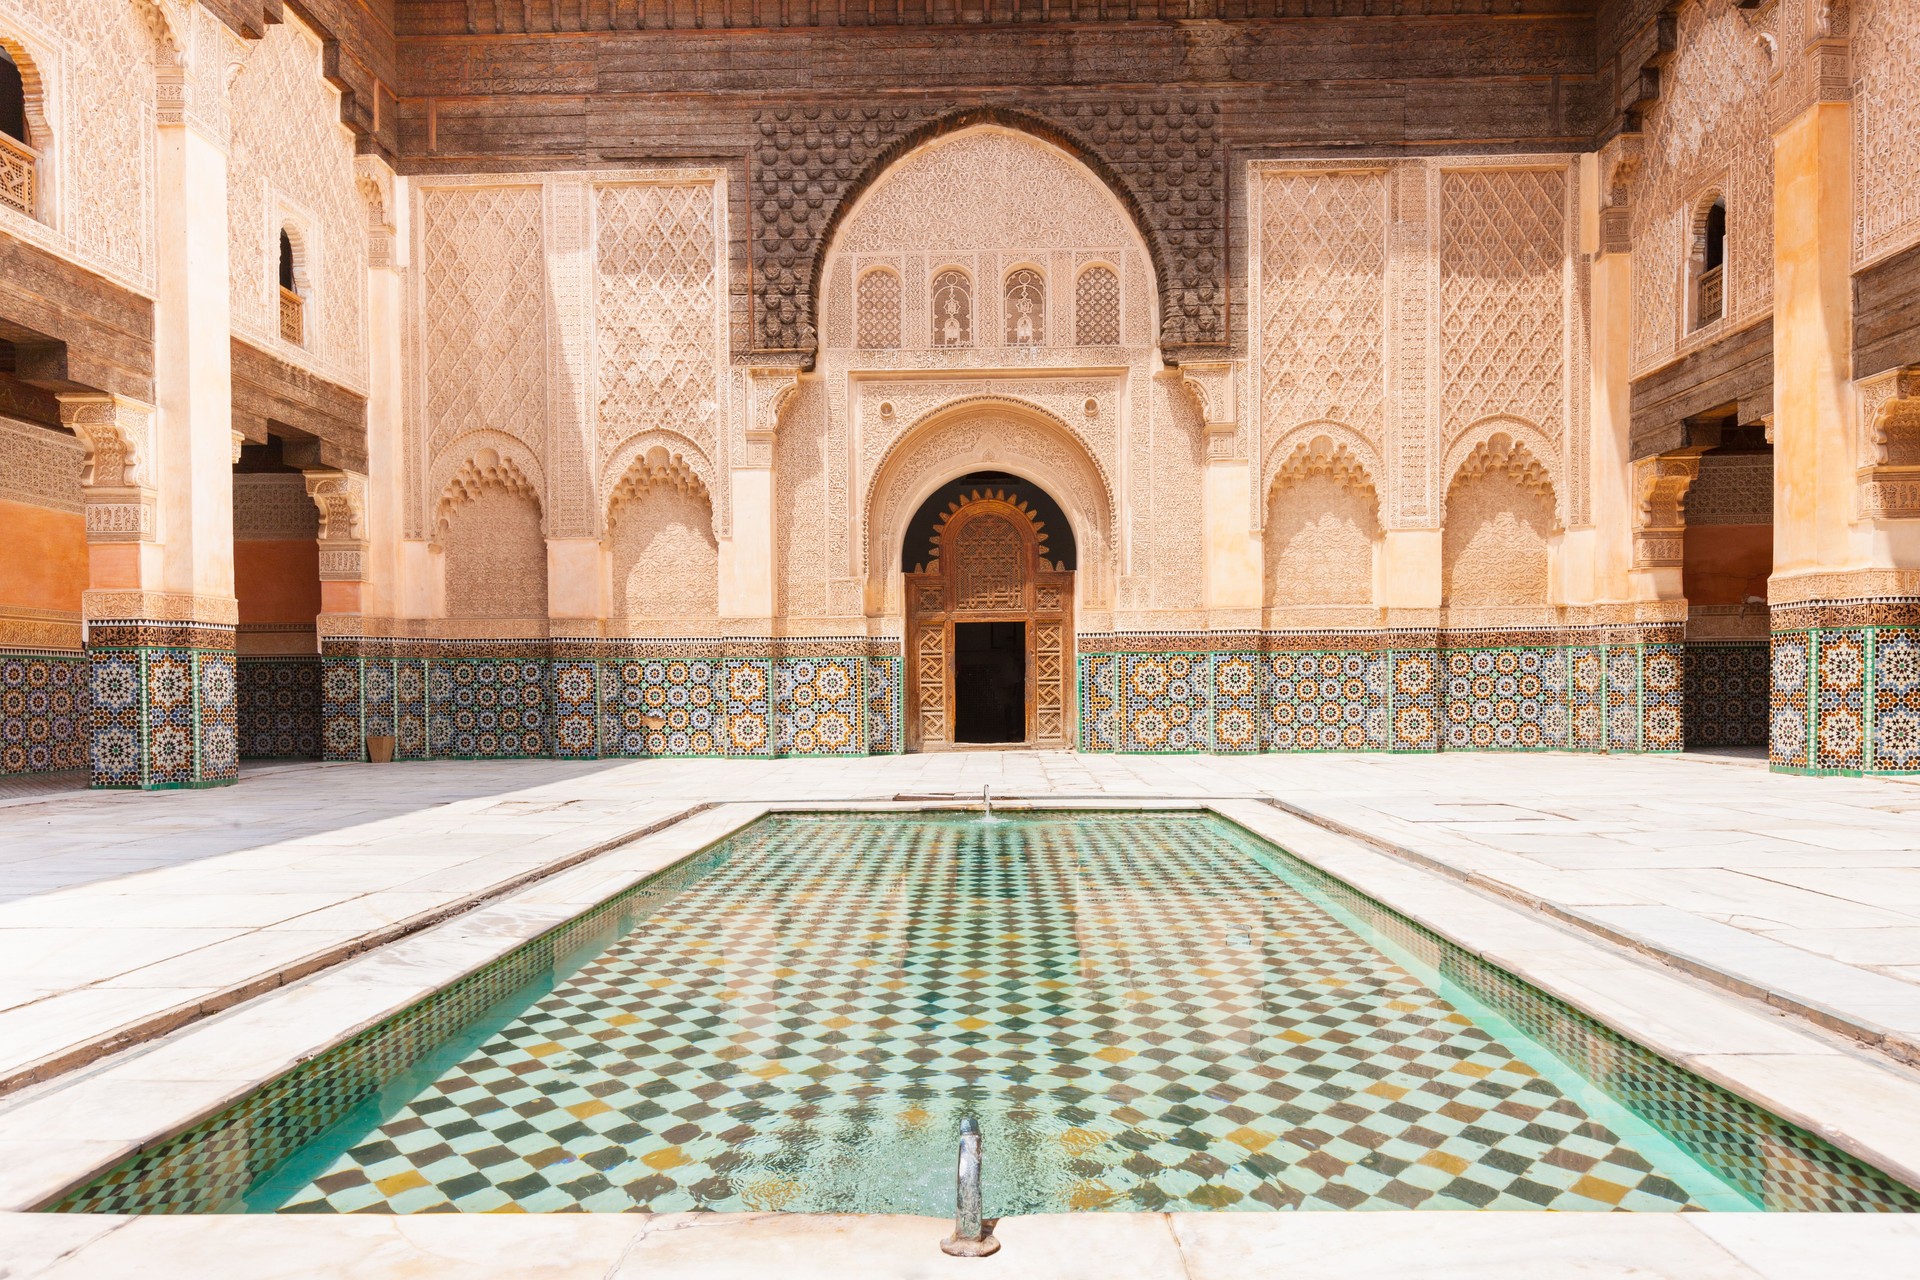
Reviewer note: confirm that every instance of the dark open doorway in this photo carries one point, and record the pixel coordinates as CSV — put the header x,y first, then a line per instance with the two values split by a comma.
x,y
990,681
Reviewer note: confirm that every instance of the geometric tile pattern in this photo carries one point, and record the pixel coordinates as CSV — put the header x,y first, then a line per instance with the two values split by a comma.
x,y
279,708
1521,697
1327,701
1662,696
1846,699
43,712
162,715
1726,695
1789,740
1145,1011
1505,699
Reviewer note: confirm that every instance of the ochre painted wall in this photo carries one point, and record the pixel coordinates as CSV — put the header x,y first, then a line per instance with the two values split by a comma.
x,y
277,581
43,557
1727,563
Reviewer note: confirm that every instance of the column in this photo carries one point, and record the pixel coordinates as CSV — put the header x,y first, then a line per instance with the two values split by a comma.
x,y
1845,603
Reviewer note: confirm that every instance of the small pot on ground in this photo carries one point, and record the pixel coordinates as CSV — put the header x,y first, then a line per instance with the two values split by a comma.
x,y
380,748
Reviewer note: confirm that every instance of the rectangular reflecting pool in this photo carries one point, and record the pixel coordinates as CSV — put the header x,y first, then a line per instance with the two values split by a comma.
x,y
1150,1010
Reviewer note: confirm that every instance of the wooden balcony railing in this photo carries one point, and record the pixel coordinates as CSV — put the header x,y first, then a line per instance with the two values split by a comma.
x,y
293,320
1710,296
17,161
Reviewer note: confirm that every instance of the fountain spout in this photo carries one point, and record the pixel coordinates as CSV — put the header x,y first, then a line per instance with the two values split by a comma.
x,y
970,1238
986,800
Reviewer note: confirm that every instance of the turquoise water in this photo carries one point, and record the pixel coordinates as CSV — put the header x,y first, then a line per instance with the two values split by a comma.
x,y
1145,1011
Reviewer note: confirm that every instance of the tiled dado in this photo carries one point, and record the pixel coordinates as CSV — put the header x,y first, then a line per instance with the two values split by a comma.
x,y
1846,688
1378,693
43,711
600,702
280,707
1726,694
163,705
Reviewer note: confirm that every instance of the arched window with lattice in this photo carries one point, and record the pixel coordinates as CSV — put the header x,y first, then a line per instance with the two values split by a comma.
x,y
1707,261
293,286
1026,308
952,309
19,145
877,310
1096,308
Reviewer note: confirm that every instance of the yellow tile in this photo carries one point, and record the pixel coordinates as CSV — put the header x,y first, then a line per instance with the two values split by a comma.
x,y
1445,1162
768,1072
837,1021
1391,1092
1252,1139
544,1050
399,1182
1114,1053
970,1024
1080,1142
1090,1194
1472,1069
1599,1189
591,1107
665,1158
622,1020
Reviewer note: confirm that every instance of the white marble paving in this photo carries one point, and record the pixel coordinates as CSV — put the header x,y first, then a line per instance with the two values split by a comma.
x,y
1809,887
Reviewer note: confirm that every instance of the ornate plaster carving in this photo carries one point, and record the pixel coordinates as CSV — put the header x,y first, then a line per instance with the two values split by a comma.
x,y
1660,508
119,494
983,436
1888,411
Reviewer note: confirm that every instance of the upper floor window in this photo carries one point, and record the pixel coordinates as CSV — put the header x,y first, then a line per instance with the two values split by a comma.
x,y
1026,308
876,311
952,309
18,158
1096,308
1709,262
293,303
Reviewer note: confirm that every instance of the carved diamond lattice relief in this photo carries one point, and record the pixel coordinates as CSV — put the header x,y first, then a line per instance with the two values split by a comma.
x,y
1502,296
657,312
1886,120
484,313
1323,259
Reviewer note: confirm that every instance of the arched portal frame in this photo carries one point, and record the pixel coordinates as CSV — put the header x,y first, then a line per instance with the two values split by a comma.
x,y
988,433
990,571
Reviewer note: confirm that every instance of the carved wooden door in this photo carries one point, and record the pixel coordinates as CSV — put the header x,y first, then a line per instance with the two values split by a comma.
x,y
989,565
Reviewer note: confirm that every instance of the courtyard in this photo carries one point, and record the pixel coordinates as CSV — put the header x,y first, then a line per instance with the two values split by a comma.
x,y
162,954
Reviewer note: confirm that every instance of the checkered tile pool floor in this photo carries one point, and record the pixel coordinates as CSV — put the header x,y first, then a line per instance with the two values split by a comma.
x,y
1143,1013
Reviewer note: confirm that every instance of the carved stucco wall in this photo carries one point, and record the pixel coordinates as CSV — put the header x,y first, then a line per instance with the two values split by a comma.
x,y
1411,310
291,164
1319,540
1708,133
1495,557
989,201
666,563
40,467
496,556
96,67
573,324
1166,157
1886,104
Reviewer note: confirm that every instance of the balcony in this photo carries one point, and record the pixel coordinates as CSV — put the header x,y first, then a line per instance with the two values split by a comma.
x,y
17,161
1710,297
293,319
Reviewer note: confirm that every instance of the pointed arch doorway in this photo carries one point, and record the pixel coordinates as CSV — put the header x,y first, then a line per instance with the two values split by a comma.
x,y
989,619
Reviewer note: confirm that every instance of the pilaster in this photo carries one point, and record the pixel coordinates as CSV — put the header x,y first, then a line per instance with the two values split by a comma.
x,y
747,558
1233,588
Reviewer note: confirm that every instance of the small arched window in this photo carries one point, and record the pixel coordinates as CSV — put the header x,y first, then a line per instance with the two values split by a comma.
x,y
876,322
1709,261
17,155
1096,308
293,302
952,309
1026,308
